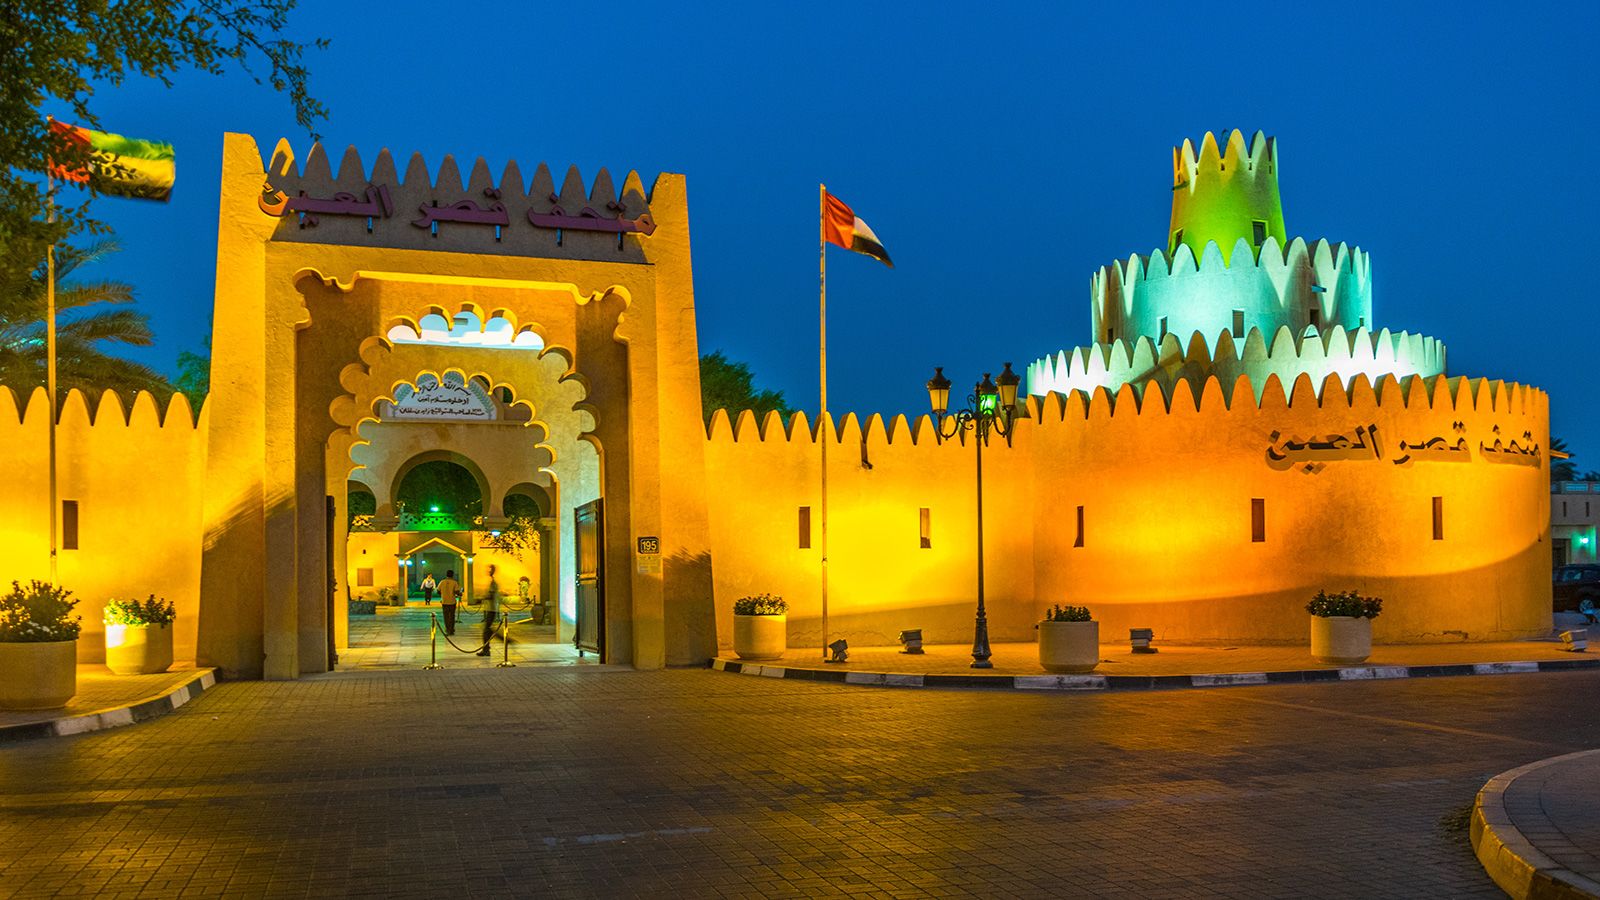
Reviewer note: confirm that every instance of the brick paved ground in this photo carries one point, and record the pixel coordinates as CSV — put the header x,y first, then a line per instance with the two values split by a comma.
x,y
1119,659
595,782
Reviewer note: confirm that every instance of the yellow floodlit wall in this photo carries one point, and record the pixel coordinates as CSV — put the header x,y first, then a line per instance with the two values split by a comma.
x,y
1166,482
136,475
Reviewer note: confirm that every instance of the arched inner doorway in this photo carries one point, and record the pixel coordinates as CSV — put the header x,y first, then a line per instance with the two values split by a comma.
x,y
479,496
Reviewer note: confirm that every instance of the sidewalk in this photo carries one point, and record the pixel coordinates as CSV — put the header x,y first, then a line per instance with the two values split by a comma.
x,y
105,700
1536,829
1016,665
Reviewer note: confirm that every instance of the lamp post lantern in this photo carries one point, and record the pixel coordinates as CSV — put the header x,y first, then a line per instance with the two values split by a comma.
x,y
991,407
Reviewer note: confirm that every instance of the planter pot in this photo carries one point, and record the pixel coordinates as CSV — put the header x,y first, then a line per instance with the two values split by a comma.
x,y
138,649
1343,640
760,637
38,676
1069,646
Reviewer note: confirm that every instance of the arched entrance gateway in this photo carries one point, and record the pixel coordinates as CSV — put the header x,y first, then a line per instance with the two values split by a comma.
x,y
368,324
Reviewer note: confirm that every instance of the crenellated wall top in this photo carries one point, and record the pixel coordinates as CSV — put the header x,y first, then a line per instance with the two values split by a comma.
x,y
108,411
1210,397
469,209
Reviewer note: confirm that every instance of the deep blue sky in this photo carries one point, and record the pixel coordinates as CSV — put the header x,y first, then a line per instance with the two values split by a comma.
x,y
1002,153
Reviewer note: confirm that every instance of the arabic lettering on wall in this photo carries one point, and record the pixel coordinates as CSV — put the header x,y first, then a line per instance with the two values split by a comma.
x,y
376,203
1311,455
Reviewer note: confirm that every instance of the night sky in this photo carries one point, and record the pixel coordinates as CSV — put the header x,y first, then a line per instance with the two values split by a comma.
x,y
1001,152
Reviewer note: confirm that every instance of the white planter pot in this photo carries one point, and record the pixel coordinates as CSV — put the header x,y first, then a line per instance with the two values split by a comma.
x,y
760,637
1069,646
38,676
138,649
1344,640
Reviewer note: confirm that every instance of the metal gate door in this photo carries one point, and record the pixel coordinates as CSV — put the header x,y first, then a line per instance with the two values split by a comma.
x,y
589,540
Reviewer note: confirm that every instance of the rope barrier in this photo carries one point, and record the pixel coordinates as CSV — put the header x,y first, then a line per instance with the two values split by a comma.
x,y
506,624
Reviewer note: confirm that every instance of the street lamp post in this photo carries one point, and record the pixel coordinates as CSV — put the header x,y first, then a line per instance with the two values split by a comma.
x,y
991,407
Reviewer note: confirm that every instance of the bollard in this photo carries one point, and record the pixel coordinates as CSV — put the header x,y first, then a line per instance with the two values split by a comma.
x,y
505,647
433,642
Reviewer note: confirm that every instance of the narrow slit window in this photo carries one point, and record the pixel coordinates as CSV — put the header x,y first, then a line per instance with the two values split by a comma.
x,y
805,528
69,524
1238,323
1078,542
925,526
1258,520
1438,518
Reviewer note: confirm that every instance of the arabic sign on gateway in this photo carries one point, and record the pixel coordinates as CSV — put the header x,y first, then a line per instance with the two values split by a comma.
x,y
377,204
432,400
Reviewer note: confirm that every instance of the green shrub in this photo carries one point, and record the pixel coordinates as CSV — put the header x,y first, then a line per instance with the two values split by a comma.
x,y
38,613
1349,603
1059,613
760,605
140,612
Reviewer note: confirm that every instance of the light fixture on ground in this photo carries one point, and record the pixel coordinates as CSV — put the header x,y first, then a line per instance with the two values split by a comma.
x,y
992,407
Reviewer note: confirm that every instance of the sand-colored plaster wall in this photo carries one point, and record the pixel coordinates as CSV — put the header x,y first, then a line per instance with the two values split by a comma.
x,y
136,476
1167,492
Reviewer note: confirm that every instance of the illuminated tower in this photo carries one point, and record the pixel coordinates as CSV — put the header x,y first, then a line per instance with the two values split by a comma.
x,y
1232,294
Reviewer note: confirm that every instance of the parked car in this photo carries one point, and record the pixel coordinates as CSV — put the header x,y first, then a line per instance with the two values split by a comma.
x,y
1577,589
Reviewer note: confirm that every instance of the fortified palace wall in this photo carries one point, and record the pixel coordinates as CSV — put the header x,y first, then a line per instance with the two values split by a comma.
x,y
1165,488
135,476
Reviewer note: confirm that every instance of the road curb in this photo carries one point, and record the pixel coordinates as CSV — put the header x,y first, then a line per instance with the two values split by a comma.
x,y
1509,857
1097,682
113,717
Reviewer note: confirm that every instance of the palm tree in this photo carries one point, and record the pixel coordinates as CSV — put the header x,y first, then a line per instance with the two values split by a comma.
x,y
1561,469
83,322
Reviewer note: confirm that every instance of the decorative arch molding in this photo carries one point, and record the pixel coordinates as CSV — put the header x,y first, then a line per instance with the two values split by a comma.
x,y
545,382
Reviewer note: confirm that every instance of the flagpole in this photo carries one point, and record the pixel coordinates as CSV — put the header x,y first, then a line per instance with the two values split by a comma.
x,y
822,392
50,357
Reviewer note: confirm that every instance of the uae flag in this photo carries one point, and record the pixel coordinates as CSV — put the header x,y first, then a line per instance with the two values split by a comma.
x,y
841,226
124,166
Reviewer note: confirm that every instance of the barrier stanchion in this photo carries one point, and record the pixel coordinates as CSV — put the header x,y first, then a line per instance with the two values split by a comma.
x,y
505,647
433,642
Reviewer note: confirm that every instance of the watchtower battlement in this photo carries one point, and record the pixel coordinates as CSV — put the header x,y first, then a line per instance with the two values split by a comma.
x,y
1224,194
439,210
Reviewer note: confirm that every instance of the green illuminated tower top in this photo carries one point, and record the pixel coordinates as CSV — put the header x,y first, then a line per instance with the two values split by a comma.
x,y
1224,195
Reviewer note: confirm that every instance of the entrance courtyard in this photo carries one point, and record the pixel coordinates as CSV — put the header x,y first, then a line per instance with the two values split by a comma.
x,y
404,637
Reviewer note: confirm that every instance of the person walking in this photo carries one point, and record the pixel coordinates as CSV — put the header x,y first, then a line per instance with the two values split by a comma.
x,y
428,587
491,612
448,590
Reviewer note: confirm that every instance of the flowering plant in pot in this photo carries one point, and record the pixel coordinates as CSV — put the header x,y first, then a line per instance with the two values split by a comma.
x,y
38,646
1069,640
1341,626
139,635
760,627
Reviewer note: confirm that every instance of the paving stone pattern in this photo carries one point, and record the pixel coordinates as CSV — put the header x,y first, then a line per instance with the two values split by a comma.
x,y
594,782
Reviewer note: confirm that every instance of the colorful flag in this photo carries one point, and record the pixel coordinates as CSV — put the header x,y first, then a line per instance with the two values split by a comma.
x,y
841,226
128,167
